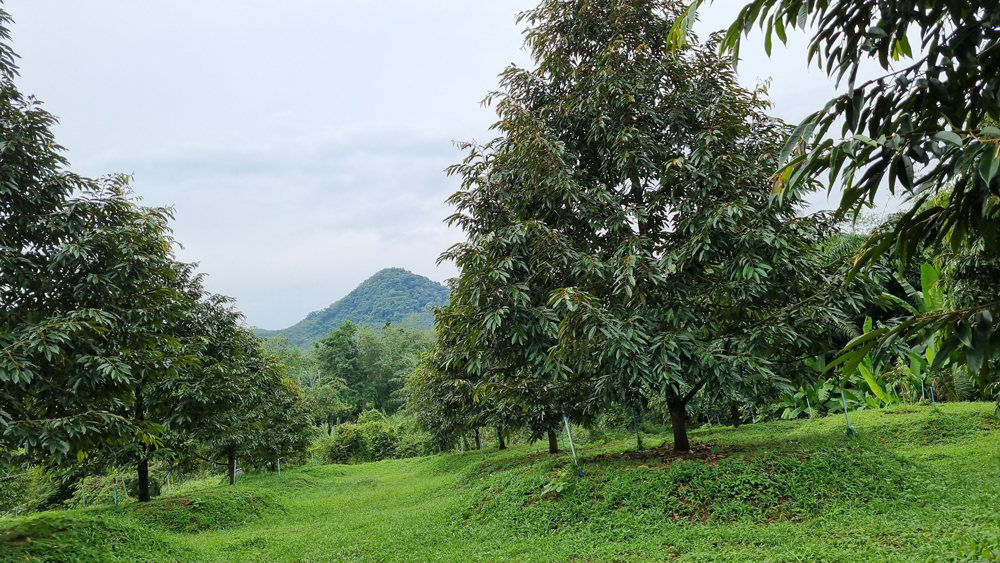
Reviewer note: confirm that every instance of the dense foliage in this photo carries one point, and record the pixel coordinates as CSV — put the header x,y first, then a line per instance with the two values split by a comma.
x,y
393,295
353,369
113,354
925,128
623,241
87,278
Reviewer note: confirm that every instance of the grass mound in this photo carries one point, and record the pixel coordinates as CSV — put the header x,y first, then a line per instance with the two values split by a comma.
x,y
909,485
714,483
211,509
133,533
928,428
84,537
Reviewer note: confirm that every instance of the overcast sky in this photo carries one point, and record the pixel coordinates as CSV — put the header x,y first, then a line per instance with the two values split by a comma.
x,y
301,142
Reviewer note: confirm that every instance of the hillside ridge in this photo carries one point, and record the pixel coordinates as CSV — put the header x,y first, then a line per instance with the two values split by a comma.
x,y
391,295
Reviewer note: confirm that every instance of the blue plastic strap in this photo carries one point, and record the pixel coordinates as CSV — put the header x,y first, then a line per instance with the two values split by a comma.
x,y
843,401
635,422
572,447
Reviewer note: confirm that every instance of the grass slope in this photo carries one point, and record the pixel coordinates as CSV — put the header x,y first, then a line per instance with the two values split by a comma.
x,y
917,486
392,295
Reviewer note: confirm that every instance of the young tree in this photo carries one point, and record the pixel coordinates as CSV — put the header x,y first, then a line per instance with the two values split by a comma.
x,y
87,287
336,356
239,403
622,237
385,358
441,402
371,363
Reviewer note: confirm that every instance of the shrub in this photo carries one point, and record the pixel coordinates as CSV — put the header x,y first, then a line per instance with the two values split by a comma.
x,y
372,415
380,440
376,437
347,445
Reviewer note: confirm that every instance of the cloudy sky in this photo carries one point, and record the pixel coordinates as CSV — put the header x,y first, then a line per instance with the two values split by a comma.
x,y
301,142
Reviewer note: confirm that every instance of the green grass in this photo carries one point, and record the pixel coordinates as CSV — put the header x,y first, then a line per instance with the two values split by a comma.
x,y
909,486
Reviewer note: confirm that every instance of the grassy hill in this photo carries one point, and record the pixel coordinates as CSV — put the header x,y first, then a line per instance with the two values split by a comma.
x,y
910,486
393,295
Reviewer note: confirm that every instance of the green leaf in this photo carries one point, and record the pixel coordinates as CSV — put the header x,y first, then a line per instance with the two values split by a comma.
x,y
677,37
989,162
948,137
767,36
944,353
877,32
866,140
901,48
904,171
801,133
974,359
851,366
933,297
876,388
803,16
964,332
868,335
916,364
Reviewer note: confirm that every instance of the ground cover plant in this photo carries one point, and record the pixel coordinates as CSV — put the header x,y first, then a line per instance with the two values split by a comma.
x,y
910,485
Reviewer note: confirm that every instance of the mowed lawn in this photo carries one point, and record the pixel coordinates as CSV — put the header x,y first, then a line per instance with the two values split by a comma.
x,y
909,486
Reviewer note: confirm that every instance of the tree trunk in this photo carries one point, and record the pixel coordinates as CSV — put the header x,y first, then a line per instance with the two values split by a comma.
x,y
734,412
144,481
231,467
678,420
479,442
553,442
503,445
143,469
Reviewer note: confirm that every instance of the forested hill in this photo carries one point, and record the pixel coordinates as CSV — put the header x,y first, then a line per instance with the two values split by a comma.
x,y
393,295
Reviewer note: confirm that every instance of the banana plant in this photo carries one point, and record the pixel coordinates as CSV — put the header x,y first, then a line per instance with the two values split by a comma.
x,y
871,369
944,336
917,371
822,399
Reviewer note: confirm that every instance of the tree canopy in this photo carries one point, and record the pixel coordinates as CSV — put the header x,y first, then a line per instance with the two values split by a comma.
x,y
111,349
925,128
623,241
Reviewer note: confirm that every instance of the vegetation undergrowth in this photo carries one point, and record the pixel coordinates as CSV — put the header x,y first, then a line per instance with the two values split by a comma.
x,y
913,485
134,532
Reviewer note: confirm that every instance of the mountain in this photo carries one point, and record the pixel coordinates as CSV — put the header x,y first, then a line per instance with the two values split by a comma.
x,y
393,295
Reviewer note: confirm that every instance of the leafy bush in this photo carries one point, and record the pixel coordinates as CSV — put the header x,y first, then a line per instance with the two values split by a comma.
x,y
380,440
372,415
376,437
347,445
